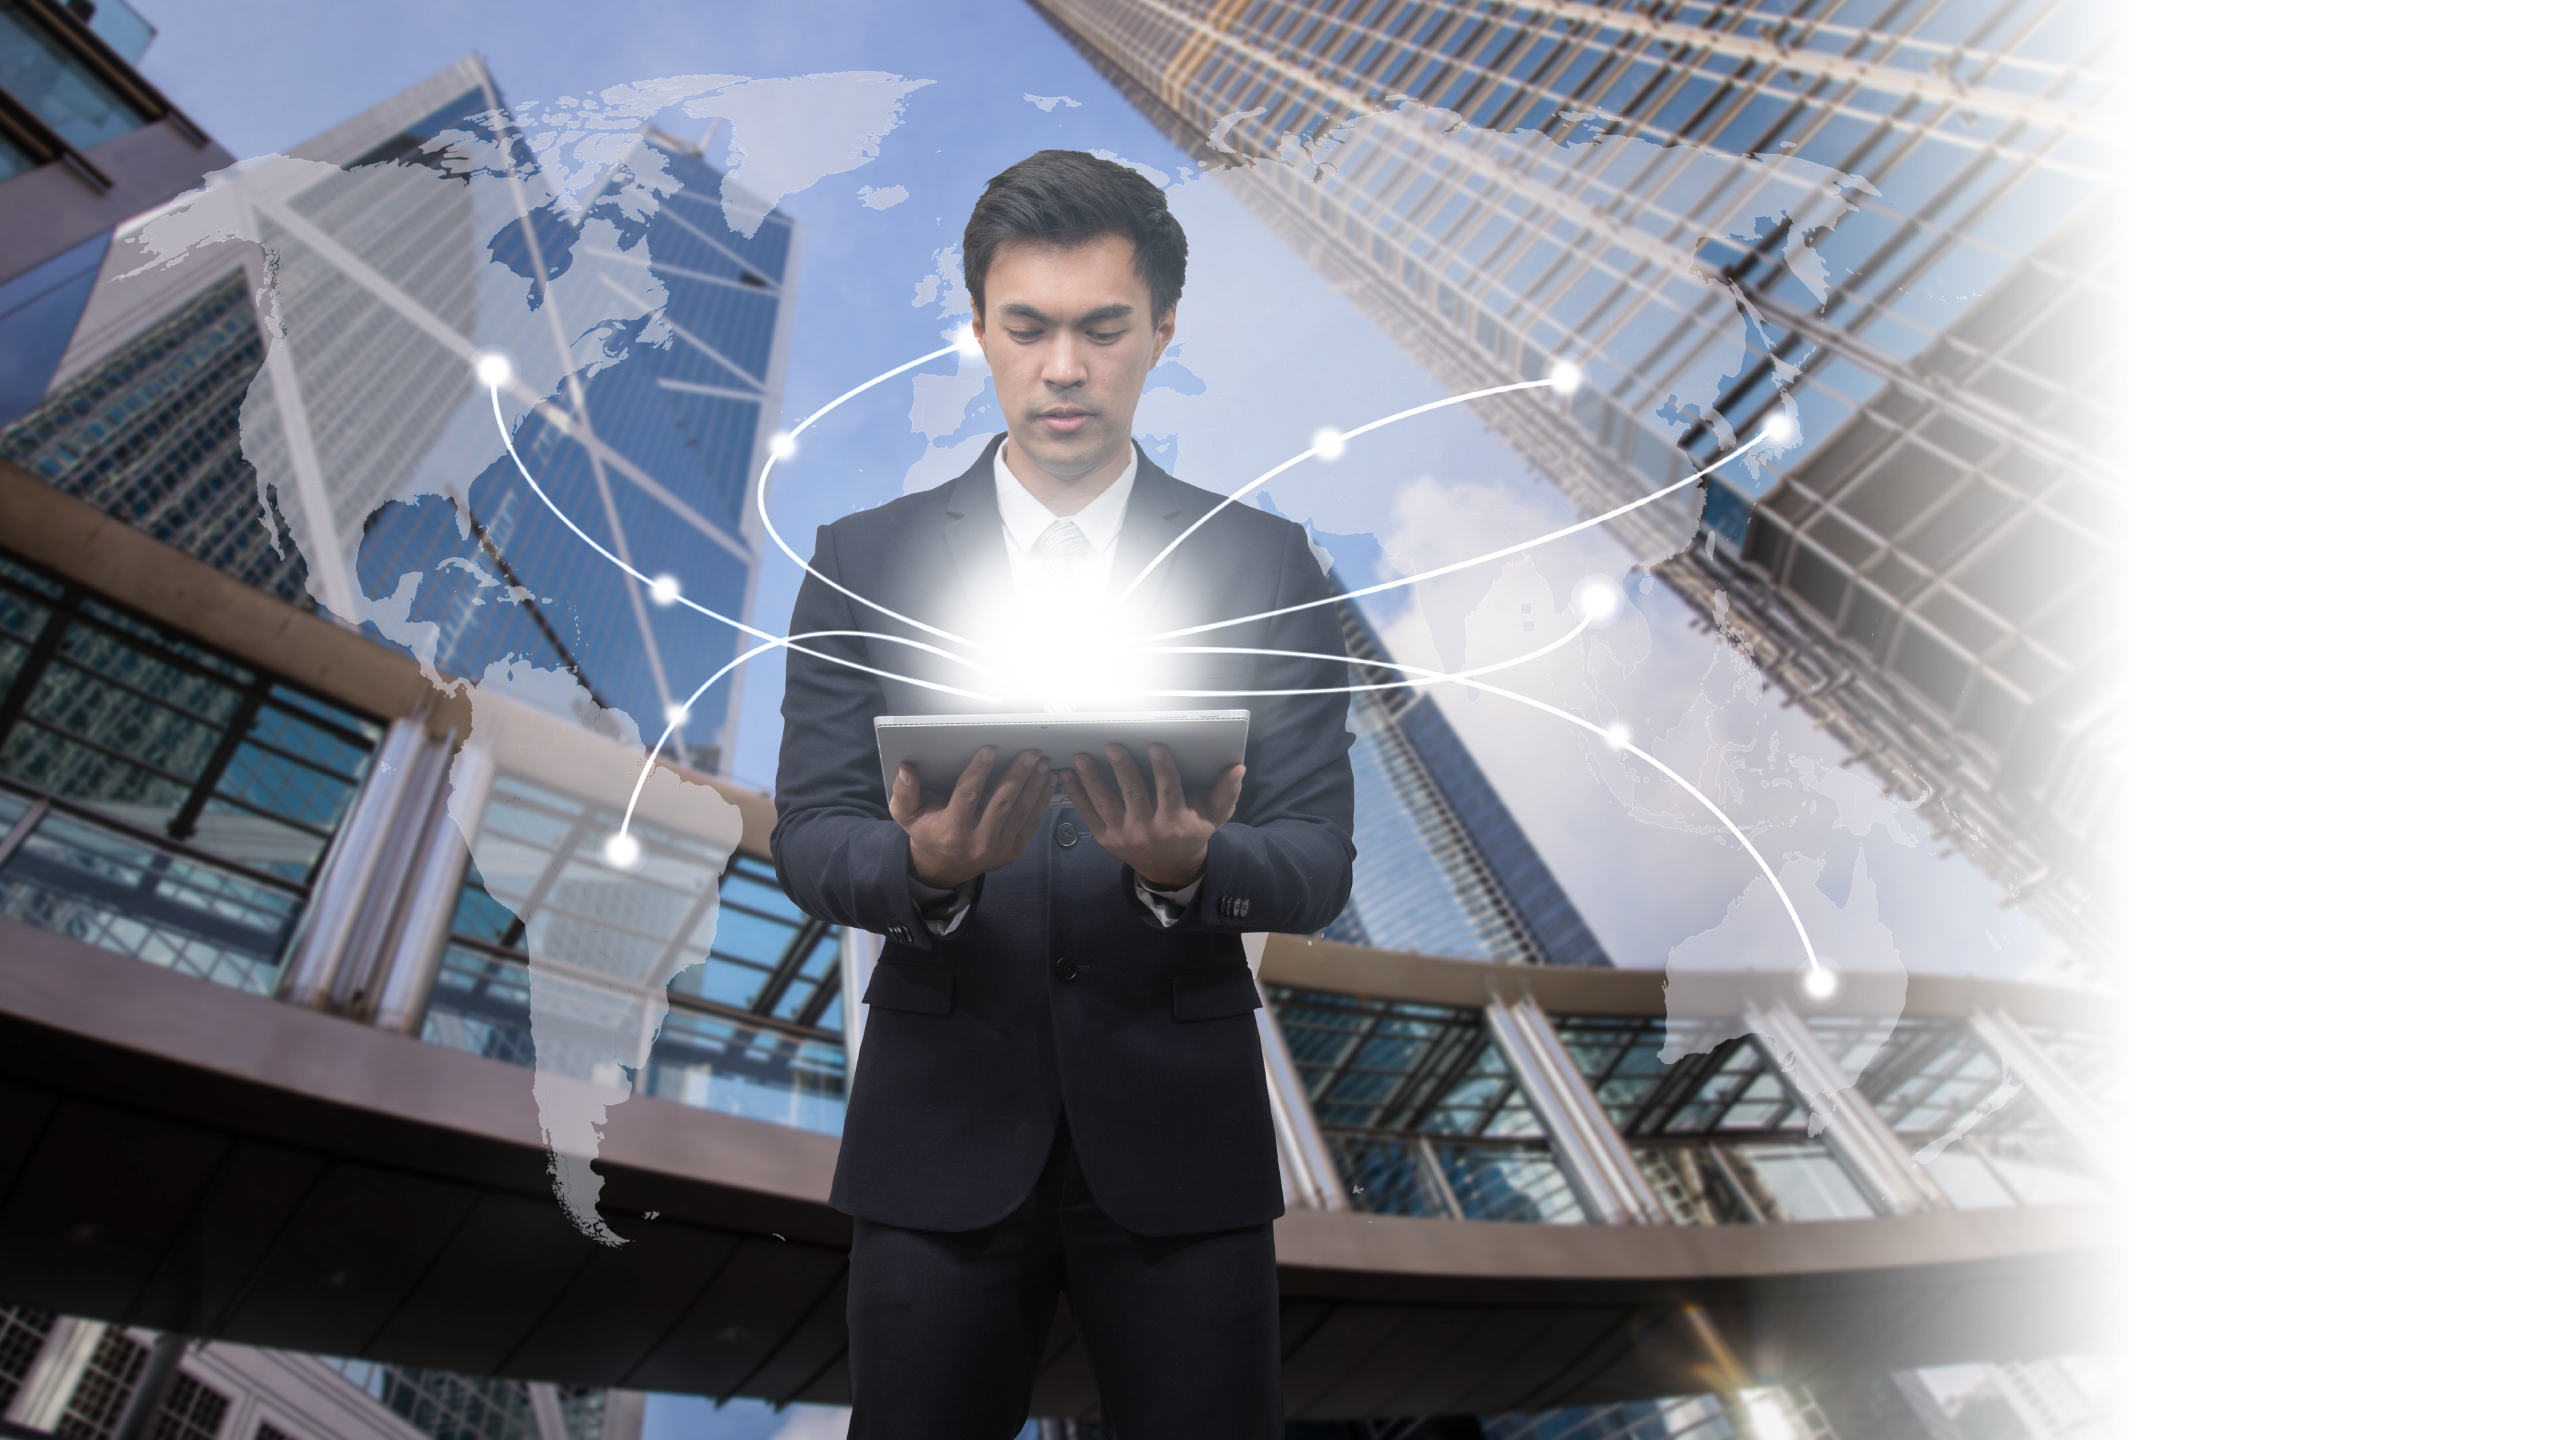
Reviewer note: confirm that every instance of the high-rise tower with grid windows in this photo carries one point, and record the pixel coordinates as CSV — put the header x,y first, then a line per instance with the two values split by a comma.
x,y
1892,216
334,390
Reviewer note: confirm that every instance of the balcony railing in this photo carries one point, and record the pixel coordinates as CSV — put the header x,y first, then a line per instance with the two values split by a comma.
x,y
84,873
707,1055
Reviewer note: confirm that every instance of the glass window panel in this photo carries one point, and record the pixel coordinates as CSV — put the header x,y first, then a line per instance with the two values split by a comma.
x,y
1806,1182
42,74
110,890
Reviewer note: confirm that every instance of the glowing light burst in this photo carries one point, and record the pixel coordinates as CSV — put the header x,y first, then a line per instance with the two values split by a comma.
x,y
1598,600
1329,444
622,850
665,590
1820,982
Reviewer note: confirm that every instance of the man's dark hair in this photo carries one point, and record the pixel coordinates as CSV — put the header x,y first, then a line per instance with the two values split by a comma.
x,y
1065,198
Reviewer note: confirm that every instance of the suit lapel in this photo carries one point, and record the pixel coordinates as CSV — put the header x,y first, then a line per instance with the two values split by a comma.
x,y
973,530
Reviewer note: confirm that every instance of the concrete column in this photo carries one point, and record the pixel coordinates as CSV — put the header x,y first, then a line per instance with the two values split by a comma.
x,y
1307,1176
2054,1089
56,1373
1614,1191
548,1422
337,896
1875,1155
355,988
416,950
142,1407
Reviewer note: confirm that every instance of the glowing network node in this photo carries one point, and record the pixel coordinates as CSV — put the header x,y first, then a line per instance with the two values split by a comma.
x,y
1565,376
678,713
665,590
1597,599
1821,983
1619,736
494,369
1329,444
965,340
622,850
1781,429
785,445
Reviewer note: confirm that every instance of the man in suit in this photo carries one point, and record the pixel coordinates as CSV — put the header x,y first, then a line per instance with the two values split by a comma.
x,y
1060,1085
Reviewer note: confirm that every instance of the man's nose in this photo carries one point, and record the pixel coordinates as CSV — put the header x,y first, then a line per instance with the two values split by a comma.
x,y
1061,365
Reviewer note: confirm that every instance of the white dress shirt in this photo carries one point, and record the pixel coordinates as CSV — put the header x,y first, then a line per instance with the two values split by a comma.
x,y
1037,578
1026,519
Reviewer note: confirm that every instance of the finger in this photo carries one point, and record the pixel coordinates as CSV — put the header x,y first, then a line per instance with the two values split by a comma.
x,y
1224,795
1168,780
1102,805
1024,821
1133,786
908,799
973,782
998,814
1079,798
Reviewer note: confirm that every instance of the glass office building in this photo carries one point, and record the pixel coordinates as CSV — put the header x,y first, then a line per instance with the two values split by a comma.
x,y
390,268
1919,258
1443,867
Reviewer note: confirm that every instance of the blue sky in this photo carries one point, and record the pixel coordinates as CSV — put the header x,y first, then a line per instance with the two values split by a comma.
x,y
1268,353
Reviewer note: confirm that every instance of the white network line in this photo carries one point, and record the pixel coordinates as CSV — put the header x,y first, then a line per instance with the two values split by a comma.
x,y
623,850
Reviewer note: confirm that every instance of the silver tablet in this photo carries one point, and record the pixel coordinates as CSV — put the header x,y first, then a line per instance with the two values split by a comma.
x,y
1204,742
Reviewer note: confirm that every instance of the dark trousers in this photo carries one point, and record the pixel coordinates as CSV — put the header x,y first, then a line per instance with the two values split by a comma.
x,y
947,1328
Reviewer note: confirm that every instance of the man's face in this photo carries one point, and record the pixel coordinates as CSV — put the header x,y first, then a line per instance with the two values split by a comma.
x,y
1067,333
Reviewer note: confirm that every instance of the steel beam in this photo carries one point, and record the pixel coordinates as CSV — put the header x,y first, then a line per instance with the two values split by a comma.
x,y
1604,1174
1856,1133
417,945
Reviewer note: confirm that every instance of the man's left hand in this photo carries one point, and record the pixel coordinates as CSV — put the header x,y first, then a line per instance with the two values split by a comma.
x,y
1152,825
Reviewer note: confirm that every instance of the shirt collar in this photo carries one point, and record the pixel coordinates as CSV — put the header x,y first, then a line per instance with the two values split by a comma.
x,y
1025,518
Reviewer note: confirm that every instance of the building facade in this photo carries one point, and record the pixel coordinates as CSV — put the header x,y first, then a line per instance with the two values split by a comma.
x,y
76,1378
1891,223
1443,867
321,383
85,144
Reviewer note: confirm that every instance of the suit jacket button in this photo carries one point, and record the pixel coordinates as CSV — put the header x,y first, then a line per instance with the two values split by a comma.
x,y
1065,968
900,934
1066,834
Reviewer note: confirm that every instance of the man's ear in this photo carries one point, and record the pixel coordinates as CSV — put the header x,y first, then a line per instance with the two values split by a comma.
x,y
978,324
1164,336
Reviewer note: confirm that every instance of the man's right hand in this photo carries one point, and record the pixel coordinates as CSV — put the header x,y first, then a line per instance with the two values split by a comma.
x,y
951,841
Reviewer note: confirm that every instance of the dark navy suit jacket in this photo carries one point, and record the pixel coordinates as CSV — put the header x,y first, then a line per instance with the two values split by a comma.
x,y
1058,989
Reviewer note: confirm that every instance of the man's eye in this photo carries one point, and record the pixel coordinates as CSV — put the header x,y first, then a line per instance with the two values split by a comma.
x,y
1104,337
1024,336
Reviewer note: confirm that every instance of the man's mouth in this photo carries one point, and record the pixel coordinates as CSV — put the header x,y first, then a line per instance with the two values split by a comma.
x,y
1063,422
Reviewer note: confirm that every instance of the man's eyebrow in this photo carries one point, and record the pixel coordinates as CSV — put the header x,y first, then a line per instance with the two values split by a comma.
x,y
1019,310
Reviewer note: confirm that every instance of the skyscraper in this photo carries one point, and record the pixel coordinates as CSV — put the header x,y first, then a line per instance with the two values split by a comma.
x,y
85,143
322,382
1893,220
1443,867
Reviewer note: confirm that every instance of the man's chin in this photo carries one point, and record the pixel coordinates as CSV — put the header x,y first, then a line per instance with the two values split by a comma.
x,y
1071,459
